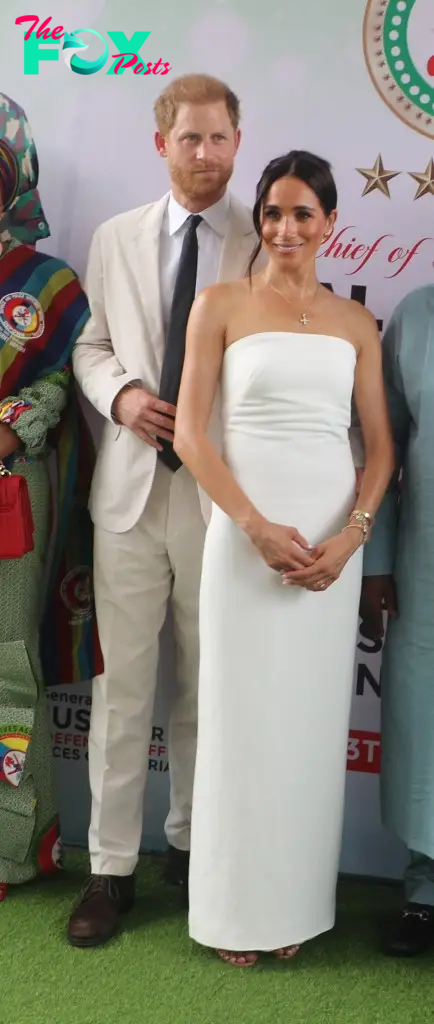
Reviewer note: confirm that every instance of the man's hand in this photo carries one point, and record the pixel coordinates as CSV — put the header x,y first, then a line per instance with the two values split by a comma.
x,y
378,596
9,441
145,414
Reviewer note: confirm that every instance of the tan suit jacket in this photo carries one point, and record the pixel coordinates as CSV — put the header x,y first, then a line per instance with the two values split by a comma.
x,y
124,341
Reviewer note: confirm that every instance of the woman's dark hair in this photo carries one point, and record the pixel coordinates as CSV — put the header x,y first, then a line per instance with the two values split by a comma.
x,y
313,170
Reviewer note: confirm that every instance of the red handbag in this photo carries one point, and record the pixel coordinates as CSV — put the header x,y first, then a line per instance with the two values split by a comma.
x,y
16,519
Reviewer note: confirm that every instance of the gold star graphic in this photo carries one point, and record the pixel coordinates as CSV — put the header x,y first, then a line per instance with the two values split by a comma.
x,y
425,181
377,178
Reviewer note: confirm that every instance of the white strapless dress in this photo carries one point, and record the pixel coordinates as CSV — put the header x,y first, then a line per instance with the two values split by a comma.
x,y
276,662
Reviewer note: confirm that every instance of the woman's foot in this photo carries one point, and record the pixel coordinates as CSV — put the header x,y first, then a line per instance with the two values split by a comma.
x,y
286,953
237,959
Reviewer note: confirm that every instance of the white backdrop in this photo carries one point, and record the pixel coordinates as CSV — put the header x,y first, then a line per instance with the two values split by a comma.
x,y
308,77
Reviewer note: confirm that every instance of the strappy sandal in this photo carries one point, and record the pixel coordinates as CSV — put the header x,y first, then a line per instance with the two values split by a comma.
x,y
237,959
286,953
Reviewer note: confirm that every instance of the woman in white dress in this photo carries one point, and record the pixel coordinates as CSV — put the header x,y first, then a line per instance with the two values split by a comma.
x,y
277,660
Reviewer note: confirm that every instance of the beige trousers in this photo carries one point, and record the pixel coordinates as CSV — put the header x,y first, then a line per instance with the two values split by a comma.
x,y
135,575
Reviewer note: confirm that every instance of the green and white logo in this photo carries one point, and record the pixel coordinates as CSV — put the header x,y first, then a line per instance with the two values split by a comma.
x,y
399,51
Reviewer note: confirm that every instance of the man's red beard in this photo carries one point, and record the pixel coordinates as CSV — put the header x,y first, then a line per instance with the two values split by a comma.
x,y
201,181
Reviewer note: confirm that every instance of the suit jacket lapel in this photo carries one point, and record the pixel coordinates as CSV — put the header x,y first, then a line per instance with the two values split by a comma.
x,y
239,242
147,241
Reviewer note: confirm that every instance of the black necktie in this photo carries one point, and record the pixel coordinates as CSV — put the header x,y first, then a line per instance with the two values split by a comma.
x,y
183,297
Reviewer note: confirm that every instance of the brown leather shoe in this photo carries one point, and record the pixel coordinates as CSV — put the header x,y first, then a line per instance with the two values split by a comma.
x,y
96,918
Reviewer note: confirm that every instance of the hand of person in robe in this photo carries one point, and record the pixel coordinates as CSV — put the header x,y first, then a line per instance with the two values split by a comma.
x,y
9,441
378,596
329,560
281,547
145,414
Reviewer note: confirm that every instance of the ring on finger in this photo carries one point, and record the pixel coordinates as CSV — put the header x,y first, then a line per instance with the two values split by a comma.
x,y
326,582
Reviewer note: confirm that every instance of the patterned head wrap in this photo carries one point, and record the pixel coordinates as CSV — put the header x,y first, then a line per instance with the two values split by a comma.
x,y
22,217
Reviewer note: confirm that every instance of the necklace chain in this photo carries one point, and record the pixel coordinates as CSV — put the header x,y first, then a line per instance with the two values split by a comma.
x,y
303,319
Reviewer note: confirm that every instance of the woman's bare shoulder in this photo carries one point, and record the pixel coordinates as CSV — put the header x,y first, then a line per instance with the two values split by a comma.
x,y
365,327
220,297
356,314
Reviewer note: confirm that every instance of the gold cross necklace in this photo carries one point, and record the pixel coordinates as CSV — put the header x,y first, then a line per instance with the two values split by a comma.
x,y
303,319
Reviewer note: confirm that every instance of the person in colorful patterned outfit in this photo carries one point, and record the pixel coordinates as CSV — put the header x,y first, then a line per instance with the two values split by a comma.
x,y
42,311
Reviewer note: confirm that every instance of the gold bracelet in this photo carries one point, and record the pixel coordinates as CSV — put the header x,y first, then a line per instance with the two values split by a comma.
x,y
356,526
362,521
362,515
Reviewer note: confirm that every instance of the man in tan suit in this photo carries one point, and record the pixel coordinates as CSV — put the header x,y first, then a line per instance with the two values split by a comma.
x,y
144,268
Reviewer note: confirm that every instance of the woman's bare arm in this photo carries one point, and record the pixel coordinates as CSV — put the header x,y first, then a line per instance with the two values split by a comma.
x,y
370,399
205,348
204,352
371,404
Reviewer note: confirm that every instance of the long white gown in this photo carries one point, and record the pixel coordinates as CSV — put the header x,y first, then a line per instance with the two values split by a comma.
x,y
276,662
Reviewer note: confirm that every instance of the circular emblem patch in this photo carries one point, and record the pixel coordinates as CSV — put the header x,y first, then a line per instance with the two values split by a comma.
x,y
399,52
13,752
21,317
76,592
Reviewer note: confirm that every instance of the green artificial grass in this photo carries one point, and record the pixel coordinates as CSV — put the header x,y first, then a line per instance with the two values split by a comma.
x,y
153,973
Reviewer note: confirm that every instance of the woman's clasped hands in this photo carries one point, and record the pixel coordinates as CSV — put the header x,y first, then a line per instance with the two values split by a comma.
x,y
286,551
